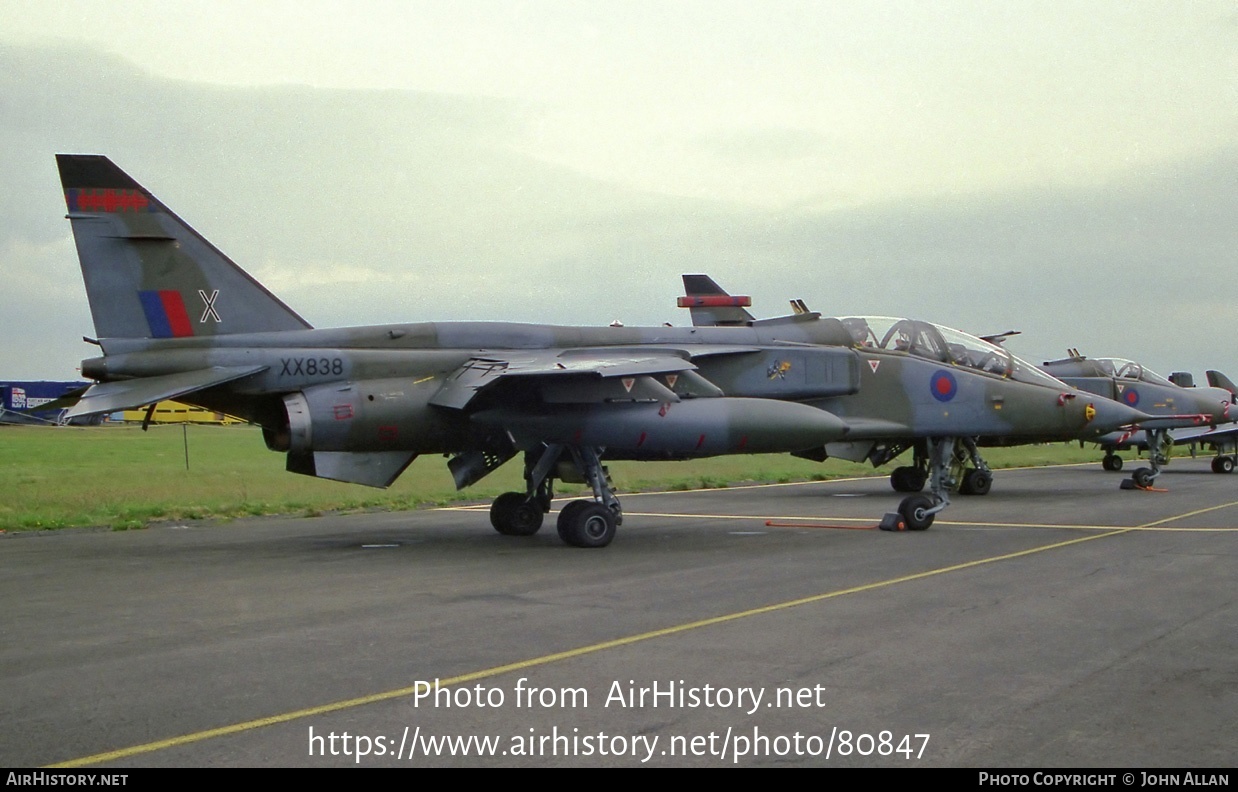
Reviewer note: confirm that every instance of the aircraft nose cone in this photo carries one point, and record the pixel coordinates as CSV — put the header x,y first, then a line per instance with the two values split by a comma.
x,y
1112,415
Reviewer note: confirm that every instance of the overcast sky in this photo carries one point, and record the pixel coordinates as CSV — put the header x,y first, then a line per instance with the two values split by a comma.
x,y
1066,169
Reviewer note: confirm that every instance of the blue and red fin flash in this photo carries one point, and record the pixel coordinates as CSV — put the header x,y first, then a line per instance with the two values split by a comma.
x,y
166,314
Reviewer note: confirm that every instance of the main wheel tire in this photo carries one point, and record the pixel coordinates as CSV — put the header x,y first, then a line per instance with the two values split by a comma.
x,y
1223,464
919,479
978,482
588,525
1142,477
915,511
1111,462
513,514
907,479
567,515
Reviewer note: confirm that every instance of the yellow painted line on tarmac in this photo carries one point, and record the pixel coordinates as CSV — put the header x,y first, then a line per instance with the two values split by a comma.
x,y
799,518
1155,523
848,479
570,654
960,523
1072,527
867,477
759,517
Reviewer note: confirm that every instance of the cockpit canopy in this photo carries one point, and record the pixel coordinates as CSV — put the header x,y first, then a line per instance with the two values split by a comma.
x,y
1130,370
935,342
1116,368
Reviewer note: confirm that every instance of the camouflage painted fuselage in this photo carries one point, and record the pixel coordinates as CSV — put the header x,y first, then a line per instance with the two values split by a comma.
x,y
372,388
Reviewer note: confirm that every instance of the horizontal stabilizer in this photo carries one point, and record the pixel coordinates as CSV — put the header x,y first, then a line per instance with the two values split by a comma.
x,y
129,394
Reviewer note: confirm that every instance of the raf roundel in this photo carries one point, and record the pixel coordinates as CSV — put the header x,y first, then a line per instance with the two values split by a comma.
x,y
1131,397
943,386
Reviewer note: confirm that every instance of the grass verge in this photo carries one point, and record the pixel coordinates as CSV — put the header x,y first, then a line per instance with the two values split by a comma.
x,y
119,476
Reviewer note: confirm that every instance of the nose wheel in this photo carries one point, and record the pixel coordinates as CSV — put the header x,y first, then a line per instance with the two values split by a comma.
x,y
916,512
1159,443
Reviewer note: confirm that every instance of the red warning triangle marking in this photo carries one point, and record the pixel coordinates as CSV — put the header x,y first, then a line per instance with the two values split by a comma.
x,y
671,379
628,382
873,364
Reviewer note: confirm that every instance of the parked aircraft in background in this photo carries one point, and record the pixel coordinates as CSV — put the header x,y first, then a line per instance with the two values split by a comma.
x,y
929,389
1180,412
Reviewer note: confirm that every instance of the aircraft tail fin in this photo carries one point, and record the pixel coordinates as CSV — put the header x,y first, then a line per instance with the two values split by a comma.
x,y
1218,380
148,273
711,305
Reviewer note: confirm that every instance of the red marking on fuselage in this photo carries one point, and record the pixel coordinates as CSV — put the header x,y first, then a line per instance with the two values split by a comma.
x,y
640,442
700,441
743,441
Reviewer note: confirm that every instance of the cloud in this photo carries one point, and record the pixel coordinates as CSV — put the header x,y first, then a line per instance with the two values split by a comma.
x,y
362,207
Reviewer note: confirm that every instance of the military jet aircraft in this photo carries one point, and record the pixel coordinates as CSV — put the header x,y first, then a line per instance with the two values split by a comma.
x,y
177,319
930,389
1179,413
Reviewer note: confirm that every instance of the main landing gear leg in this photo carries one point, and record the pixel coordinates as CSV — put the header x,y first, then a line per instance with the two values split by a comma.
x,y
978,479
1158,455
916,512
582,523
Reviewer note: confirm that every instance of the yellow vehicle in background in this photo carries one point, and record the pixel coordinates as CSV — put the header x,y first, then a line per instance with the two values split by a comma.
x,y
171,412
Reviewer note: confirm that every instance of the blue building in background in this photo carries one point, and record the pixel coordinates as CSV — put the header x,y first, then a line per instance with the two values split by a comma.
x,y
19,401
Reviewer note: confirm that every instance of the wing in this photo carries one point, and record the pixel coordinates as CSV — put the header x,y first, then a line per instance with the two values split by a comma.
x,y
528,382
580,376
1205,434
